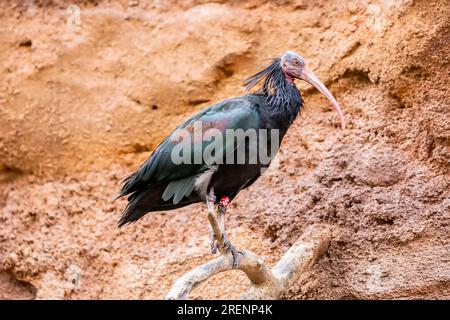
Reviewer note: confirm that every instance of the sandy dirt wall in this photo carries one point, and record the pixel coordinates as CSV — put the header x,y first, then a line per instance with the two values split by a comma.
x,y
80,108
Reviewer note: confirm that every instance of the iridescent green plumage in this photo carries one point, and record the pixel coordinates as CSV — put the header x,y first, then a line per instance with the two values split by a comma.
x,y
160,184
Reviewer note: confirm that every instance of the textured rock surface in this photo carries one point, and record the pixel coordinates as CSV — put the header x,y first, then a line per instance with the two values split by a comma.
x,y
80,108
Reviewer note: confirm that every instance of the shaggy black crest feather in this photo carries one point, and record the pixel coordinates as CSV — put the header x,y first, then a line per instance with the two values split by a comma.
x,y
283,97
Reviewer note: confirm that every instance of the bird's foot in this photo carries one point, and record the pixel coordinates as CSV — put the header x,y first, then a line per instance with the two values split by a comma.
x,y
229,248
234,253
226,248
214,245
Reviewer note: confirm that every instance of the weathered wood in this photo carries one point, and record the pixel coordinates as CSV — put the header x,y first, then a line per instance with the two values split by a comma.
x,y
266,283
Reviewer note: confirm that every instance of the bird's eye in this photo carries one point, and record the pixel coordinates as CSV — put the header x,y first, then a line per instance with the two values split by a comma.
x,y
295,62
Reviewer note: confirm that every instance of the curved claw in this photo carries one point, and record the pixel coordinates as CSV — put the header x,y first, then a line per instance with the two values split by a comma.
x,y
214,246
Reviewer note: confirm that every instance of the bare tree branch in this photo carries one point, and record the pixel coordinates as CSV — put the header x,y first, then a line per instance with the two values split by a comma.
x,y
265,283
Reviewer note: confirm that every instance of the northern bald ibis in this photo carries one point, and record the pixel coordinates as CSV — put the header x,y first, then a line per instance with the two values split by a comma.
x,y
196,164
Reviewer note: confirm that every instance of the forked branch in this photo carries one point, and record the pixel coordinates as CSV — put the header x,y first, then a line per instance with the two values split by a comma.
x,y
266,283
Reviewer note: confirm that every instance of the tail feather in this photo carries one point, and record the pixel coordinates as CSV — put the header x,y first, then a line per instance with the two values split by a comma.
x,y
129,185
144,201
141,202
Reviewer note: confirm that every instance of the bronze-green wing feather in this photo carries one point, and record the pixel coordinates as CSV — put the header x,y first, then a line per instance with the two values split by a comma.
x,y
175,182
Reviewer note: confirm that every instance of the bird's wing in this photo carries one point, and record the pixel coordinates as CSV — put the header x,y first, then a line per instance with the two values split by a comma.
x,y
237,113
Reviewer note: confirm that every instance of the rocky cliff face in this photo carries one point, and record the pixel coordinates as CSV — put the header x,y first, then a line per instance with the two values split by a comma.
x,y
81,105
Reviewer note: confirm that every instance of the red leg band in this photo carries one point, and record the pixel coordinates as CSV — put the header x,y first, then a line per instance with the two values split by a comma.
x,y
225,202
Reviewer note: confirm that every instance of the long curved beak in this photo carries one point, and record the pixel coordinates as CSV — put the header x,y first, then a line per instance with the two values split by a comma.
x,y
312,79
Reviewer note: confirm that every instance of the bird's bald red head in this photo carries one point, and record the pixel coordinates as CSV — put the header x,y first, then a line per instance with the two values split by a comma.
x,y
294,67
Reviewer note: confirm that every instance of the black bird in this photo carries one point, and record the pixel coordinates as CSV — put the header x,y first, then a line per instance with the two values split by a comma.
x,y
163,182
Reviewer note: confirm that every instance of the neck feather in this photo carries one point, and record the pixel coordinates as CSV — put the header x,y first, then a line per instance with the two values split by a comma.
x,y
283,98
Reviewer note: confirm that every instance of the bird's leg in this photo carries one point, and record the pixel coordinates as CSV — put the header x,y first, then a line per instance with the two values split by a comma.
x,y
210,203
226,246
221,209
216,217
212,237
216,224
